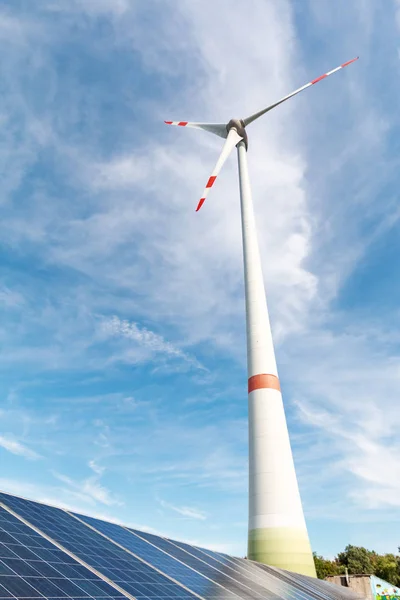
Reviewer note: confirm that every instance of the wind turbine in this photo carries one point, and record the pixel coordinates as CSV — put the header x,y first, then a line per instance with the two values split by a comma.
x,y
277,533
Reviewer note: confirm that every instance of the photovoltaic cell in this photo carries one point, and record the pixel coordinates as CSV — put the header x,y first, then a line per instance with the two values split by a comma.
x,y
24,573
250,569
288,583
135,577
238,585
143,565
249,576
166,563
326,591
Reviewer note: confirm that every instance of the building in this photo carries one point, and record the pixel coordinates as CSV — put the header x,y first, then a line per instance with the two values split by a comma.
x,y
368,586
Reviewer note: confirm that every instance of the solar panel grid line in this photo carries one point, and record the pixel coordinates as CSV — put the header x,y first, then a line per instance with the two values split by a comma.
x,y
232,575
230,592
132,532
71,554
217,576
133,554
296,580
234,564
325,588
250,567
277,575
232,567
300,584
310,586
170,565
307,589
165,569
100,552
25,578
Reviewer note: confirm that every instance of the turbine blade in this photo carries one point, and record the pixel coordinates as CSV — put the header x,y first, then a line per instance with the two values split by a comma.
x,y
232,139
259,114
216,128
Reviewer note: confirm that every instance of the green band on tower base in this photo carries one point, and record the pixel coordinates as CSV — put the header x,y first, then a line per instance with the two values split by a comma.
x,y
282,547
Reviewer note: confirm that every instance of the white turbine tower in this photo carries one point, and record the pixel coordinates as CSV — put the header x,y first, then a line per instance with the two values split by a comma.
x,y
277,528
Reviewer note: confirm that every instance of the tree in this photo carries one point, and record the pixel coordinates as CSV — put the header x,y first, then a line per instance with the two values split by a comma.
x,y
387,567
325,567
357,560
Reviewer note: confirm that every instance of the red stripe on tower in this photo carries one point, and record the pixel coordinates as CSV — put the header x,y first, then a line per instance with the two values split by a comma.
x,y
319,79
168,122
210,182
182,123
263,381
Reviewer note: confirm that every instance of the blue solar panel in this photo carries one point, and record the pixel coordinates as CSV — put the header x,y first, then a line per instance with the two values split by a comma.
x,y
218,573
196,581
283,582
251,570
143,565
24,573
134,576
244,571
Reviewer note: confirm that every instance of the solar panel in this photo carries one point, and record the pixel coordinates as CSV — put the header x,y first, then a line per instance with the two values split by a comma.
x,y
237,585
197,582
25,571
244,570
47,552
252,569
134,576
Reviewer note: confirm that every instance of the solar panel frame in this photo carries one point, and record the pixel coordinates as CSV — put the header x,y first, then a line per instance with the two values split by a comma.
x,y
265,579
235,569
197,582
308,586
96,551
22,579
71,556
217,575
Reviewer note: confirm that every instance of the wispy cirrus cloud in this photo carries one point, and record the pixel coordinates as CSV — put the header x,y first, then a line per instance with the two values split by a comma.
x,y
96,467
145,338
15,447
100,220
185,511
10,298
91,489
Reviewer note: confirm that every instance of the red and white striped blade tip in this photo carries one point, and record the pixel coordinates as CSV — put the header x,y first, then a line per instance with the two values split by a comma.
x,y
350,61
210,183
333,70
180,123
200,204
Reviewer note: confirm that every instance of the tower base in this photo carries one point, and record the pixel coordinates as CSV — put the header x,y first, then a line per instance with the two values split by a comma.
x,y
282,547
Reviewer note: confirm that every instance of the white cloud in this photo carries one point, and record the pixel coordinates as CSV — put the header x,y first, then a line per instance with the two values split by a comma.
x,y
15,447
90,490
120,173
96,468
98,492
92,7
10,298
349,397
145,338
314,165
185,511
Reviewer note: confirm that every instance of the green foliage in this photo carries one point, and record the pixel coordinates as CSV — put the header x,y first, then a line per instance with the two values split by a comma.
x,y
387,567
326,567
359,560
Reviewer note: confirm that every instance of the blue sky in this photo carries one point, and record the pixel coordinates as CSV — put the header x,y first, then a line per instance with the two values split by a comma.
x,y
122,337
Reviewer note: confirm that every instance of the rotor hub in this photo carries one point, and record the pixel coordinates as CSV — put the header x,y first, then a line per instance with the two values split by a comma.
x,y
238,124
